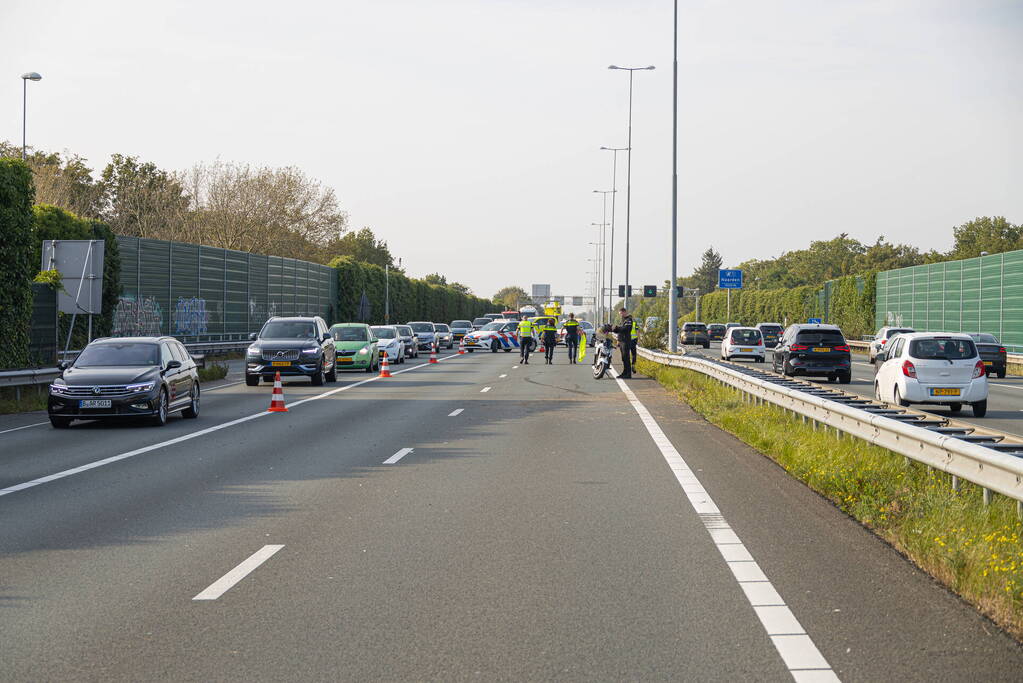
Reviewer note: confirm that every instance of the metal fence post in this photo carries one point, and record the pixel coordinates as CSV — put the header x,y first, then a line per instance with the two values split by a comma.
x,y
988,495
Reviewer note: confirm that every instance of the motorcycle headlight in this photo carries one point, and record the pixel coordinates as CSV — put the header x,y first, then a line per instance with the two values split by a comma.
x,y
364,350
140,387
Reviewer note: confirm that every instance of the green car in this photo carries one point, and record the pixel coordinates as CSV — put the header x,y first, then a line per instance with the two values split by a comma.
x,y
356,347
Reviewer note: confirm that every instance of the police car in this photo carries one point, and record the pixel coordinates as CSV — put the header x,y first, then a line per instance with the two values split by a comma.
x,y
500,334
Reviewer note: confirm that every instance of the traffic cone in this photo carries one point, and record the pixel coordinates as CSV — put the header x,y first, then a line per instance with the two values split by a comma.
x,y
385,368
277,400
461,346
433,355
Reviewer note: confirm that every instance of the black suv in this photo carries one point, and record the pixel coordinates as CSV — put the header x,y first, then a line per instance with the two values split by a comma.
x,y
295,347
716,331
695,333
814,350
147,377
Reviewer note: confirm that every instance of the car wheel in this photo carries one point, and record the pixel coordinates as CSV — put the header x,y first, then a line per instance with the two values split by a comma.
x,y
877,393
494,346
160,419
845,378
192,411
786,370
507,350
332,375
955,407
252,380
899,401
706,345
60,422
979,408
318,377
1001,374
470,350
831,378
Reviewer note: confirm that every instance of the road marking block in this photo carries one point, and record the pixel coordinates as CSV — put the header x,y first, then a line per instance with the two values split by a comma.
x,y
15,429
501,376
796,649
484,390
398,456
455,413
228,580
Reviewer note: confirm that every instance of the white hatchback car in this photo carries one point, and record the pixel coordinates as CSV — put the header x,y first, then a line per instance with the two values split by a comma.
x,y
935,368
877,344
743,342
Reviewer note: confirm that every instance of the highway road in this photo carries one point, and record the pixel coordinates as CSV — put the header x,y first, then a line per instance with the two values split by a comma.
x,y
470,520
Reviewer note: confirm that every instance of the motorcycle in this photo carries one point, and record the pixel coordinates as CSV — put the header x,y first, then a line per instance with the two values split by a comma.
x,y
602,358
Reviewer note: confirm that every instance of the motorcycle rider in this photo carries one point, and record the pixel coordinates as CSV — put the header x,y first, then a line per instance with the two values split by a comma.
x,y
572,338
525,330
624,332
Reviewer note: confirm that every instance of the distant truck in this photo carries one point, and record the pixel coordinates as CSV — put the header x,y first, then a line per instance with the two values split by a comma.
x,y
552,308
511,315
528,311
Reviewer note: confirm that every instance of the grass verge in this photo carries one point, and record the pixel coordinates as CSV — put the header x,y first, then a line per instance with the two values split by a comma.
x,y
972,549
31,397
213,371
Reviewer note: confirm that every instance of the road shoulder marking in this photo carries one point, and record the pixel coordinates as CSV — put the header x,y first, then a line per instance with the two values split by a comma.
x,y
484,390
398,456
455,413
228,580
795,647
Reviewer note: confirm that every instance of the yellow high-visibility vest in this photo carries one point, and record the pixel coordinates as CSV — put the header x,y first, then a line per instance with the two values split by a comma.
x,y
525,329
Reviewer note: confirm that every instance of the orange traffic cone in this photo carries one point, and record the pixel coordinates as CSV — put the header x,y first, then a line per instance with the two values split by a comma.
x,y
385,368
461,346
433,355
277,401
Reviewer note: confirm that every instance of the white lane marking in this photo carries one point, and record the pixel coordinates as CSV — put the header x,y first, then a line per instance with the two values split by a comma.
x,y
455,413
802,658
228,580
193,435
484,390
224,386
515,367
14,429
501,376
994,384
397,456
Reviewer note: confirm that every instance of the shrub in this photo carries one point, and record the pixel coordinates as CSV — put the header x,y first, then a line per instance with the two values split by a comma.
x,y
16,265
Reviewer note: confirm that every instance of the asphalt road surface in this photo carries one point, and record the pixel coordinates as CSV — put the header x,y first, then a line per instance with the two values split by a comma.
x,y
471,520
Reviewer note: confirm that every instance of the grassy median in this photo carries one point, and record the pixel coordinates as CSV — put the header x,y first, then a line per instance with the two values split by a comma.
x,y
974,550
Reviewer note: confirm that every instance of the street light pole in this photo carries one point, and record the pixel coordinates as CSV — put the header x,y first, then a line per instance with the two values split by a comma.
x,y
673,294
25,78
628,180
614,193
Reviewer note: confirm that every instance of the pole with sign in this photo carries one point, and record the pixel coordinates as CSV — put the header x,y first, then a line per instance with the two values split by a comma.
x,y
729,279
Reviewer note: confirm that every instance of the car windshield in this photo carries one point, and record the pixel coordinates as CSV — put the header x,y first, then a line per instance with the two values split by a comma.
x,y
985,338
942,349
745,336
350,333
896,330
771,329
110,354
492,326
441,327
421,327
821,338
461,323
586,324
384,332
481,321
716,328
689,327
404,331
288,329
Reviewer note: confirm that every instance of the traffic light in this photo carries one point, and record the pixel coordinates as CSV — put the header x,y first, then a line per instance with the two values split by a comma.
x,y
649,290
621,291
680,291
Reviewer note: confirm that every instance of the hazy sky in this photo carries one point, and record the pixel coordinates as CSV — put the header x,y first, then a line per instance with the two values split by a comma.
x,y
466,132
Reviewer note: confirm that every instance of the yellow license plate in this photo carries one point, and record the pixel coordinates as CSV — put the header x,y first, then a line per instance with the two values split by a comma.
x,y
281,363
944,392
821,349
347,360
745,350
989,362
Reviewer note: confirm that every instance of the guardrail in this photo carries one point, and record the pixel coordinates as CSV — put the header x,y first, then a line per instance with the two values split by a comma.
x,y
993,471
22,378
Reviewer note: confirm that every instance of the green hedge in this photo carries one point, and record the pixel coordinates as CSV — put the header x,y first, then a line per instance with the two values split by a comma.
x,y
16,265
54,223
410,299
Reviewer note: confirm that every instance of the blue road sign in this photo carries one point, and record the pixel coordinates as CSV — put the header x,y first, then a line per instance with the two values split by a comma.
x,y
814,321
729,279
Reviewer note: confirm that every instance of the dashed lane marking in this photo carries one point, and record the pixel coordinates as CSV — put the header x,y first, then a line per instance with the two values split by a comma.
x,y
398,456
484,390
228,580
455,413
14,429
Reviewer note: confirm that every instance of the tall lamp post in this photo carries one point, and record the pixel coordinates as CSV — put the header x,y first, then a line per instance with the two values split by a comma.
x,y
614,192
601,272
628,176
25,78
673,294
603,238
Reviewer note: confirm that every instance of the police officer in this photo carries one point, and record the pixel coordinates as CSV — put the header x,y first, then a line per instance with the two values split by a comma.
x,y
572,338
525,340
634,342
624,332
550,339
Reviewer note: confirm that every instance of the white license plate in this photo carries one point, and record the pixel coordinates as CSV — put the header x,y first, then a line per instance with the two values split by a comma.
x,y
95,403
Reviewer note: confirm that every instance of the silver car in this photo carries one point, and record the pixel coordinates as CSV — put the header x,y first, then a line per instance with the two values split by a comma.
x,y
445,337
409,339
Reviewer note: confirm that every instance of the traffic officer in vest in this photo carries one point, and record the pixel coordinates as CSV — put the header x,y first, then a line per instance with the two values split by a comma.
x,y
572,337
550,338
525,340
624,332
634,341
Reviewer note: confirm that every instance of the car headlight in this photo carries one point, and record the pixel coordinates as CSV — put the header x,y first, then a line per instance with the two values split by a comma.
x,y
253,350
58,388
364,350
140,387
312,351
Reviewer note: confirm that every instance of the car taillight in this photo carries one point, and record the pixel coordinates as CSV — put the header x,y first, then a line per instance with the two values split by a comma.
x,y
883,342
842,347
908,369
979,370
798,347
1001,349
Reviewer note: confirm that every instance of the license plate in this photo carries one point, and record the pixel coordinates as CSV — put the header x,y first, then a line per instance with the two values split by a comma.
x,y
820,349
347,360
745,350
944,392
281,363
989,362
94,403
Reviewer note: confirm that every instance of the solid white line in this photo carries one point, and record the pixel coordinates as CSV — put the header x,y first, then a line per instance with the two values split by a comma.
x,y
397,456
515,367
455,413
193,435
501,376
224,583
14,429
994,384
484,390
802,658
224,386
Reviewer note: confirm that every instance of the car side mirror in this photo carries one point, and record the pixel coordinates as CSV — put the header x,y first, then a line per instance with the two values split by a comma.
x,y
327,336
881,357
171,364
63,365
253,336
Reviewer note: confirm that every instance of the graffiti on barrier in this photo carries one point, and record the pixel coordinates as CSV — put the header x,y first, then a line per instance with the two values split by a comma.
x,y
893,319
137,317
261,312
190,317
